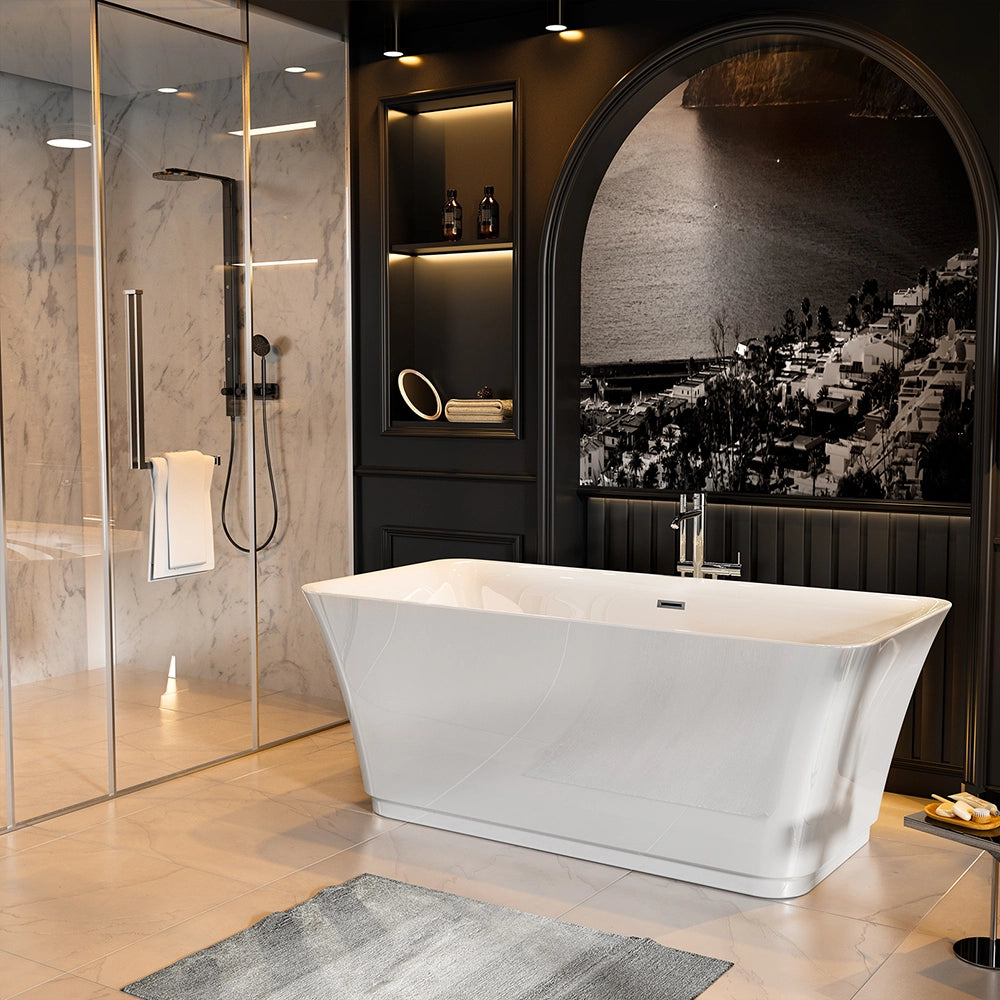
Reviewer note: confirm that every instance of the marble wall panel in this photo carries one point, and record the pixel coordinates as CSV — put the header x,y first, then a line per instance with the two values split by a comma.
x,y
46,342
299,189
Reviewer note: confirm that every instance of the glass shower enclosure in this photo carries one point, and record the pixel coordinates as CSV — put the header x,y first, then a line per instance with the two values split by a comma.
x,y
127,309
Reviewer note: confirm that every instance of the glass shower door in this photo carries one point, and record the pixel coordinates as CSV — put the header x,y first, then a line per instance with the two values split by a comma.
x,y
172,105
54,602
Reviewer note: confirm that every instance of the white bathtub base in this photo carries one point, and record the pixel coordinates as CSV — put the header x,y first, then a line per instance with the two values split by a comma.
x,y
718,878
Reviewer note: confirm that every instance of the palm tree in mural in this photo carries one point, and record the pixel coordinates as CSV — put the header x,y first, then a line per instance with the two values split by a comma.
x,y
651,477
806,323
816,466
635,467
945,458
852,320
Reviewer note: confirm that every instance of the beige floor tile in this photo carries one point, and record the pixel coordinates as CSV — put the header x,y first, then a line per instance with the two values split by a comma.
x,y
965,910
925,968
47,780
281,755
19,974
25,838
69,901
71,988
326,774
892,882
188,741
63,719
182,939
335,734
533,881
239,833
779,952
78,681
284,714
889,825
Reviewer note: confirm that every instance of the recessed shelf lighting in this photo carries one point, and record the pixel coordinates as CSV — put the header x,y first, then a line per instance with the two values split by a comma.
x,y
282,263
273,129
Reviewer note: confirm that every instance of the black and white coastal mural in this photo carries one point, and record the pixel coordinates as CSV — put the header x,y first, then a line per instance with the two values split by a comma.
x,y
779,290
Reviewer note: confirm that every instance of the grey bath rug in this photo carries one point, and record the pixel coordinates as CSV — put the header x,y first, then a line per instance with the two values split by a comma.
x,y
376,939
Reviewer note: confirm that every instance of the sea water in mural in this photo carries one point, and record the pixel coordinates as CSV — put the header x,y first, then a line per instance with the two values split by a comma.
x,y
779,290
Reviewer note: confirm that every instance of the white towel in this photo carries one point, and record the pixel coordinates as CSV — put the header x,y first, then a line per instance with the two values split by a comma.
x,y
181,536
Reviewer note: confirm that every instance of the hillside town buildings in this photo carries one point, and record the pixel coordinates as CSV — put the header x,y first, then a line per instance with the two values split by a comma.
x,y
625,437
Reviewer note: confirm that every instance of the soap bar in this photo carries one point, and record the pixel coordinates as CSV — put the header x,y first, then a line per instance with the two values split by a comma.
x,y
962,811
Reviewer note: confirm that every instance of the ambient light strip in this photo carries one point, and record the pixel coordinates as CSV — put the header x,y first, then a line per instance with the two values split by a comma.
x,y
281,263
273,129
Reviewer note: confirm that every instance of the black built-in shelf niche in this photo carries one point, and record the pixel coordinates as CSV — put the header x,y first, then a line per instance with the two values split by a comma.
x,y
451,308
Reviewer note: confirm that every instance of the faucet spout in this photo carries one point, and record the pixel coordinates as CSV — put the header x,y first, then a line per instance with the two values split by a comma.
x,y
686,516
694,512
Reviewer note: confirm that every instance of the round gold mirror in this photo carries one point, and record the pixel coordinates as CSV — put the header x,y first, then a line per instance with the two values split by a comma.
x,y
419,394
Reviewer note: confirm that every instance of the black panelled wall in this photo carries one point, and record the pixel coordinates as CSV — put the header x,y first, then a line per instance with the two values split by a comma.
x,y
896,553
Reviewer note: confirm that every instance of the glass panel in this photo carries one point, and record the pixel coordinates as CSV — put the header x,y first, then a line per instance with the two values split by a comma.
x,y
51,444
221,16
299,289
183,651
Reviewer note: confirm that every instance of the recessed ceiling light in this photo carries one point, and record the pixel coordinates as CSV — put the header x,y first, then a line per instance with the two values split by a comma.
x,y
68,143
295,69
168,90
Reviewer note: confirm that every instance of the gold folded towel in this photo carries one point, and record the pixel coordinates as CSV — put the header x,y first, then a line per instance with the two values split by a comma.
x,y
478,411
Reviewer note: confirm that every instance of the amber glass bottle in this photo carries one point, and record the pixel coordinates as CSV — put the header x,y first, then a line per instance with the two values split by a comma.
x,y
451,217
489,216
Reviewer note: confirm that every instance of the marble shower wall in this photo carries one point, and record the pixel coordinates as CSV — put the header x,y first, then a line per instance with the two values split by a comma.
x,y
299,190
47,357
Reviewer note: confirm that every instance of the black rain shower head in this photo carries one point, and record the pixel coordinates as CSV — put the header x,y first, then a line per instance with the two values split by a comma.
x,y
176,174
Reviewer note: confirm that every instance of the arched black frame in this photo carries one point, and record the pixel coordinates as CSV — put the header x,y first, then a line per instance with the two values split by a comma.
x,y
560,528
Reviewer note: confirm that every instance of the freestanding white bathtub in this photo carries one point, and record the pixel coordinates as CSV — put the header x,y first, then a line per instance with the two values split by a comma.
x,y
738,737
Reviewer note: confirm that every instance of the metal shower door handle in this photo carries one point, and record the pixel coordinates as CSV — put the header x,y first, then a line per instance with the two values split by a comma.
x,y
136,397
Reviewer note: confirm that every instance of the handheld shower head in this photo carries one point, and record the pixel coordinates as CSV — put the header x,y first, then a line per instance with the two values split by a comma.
x,y
261,345
176,174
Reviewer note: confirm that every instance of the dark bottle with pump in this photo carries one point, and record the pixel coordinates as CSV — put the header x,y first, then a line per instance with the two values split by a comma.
x,y
451,217
489,216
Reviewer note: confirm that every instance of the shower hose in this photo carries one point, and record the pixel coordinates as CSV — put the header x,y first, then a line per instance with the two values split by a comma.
x,y
267,455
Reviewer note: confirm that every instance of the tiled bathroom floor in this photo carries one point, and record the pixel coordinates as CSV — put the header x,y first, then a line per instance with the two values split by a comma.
x,y
162,726
99,897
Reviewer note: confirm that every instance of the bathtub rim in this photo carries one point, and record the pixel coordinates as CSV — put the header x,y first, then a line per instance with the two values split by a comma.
x,y
936,605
